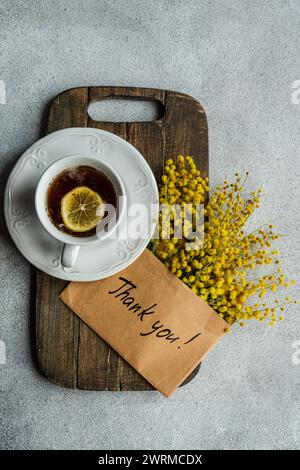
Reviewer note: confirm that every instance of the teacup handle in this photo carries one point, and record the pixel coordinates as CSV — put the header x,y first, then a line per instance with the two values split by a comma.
x,y
69,255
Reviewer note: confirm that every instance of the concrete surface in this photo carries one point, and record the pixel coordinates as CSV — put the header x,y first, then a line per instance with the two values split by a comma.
x,y
240,59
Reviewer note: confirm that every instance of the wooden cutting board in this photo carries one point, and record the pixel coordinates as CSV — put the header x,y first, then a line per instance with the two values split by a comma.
x,y
70,354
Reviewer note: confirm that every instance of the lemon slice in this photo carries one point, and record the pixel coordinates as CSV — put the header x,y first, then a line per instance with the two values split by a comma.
x,y
81,209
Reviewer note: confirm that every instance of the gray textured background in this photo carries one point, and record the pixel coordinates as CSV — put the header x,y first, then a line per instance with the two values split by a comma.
x,y
239,59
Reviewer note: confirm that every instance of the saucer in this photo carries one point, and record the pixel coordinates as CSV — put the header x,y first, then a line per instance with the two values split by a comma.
x,y
108,256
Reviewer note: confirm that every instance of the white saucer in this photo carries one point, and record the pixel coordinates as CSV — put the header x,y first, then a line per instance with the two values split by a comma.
x,y
106,257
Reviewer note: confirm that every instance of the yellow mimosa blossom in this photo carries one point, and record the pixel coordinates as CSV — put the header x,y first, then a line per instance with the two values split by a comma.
x,y
216,258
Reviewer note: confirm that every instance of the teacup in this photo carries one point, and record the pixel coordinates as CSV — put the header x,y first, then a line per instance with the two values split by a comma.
x,y
72,244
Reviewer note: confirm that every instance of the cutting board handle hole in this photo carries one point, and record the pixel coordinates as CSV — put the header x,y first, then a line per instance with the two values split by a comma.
x,y
125,110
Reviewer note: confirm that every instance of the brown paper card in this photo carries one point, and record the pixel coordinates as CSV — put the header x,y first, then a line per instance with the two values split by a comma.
x,y
151,318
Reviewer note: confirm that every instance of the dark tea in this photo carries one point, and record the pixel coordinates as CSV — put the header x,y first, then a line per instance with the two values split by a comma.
x,y
74,198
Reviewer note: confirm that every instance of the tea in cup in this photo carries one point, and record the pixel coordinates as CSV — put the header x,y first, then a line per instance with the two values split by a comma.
x,y
79,201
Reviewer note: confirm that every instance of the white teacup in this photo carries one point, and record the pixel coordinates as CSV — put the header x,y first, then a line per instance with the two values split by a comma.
x,y
72,244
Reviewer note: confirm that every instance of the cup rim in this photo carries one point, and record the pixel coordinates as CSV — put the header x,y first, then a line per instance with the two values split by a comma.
x,y
41,207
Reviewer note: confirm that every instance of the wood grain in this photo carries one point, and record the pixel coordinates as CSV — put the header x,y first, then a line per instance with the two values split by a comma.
x,y
69,353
